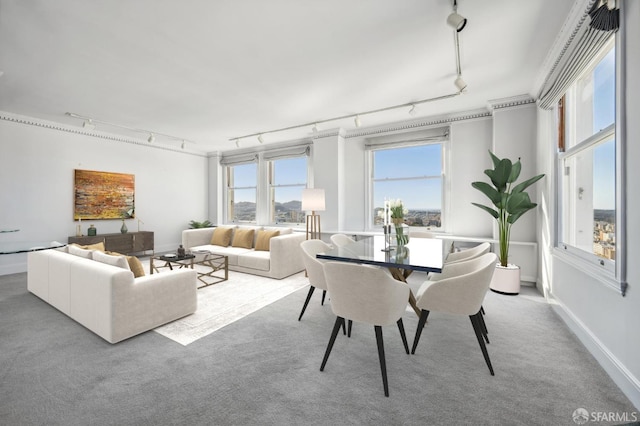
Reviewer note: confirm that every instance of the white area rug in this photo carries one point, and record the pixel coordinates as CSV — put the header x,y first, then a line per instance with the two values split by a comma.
x,y
228,301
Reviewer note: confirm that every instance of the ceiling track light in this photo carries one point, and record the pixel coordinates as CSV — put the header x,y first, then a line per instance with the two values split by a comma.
x,y
184,143
412,111
460,84
314,129
260,139
357,121
238,143
455,20
90,123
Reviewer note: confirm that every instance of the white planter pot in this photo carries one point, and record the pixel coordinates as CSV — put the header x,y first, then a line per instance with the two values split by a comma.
x,y
506,280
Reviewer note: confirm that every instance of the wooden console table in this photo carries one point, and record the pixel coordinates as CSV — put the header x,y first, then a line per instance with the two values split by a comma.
x,y
128,243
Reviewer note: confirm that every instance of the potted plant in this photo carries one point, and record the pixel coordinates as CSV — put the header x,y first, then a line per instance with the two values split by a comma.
x,y
510,203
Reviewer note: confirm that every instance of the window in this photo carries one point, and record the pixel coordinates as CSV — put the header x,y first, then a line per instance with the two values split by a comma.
x,y
587,170
241,192
287,179
413,174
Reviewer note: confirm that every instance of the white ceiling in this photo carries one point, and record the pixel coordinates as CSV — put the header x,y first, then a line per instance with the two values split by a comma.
x,y
209,71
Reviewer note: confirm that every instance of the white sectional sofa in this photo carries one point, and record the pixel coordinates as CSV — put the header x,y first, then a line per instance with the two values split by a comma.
x,y
107,299
280,259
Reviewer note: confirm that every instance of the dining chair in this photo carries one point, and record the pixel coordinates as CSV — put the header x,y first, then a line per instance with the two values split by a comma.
x,y
366,294
314,267
341,240
460,289
467,254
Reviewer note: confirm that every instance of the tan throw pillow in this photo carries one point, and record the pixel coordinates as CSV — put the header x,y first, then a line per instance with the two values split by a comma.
x,y
262,241
136,266
119,261
243,238
97,246
221,236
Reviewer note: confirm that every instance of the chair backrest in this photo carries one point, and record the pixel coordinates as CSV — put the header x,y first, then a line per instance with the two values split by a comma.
x,y
313,265
365,293
421,234
470,253
341,240
463,288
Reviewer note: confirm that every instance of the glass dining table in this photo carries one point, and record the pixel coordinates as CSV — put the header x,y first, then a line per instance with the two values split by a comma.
x,y
420,254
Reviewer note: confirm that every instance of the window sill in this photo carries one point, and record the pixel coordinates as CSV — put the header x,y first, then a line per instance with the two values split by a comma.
x,y
607,278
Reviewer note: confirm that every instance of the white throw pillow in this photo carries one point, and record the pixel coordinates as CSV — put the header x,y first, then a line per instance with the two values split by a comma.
x,y
119,261
77,251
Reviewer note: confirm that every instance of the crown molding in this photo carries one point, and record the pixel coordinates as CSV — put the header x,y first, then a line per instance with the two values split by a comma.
x,y
51,125
510,102
556,55
423,122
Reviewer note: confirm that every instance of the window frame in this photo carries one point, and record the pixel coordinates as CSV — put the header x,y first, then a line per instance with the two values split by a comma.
x,y
229,168
271,186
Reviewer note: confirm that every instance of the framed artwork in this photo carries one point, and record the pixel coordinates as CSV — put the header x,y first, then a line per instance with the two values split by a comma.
x,y
103,195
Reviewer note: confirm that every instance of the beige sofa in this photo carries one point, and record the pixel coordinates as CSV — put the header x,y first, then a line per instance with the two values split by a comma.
x,y
107,299
281,260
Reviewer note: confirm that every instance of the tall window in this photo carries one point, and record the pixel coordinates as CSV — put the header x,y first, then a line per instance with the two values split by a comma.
x,y
587,170
414,175
241,192
287,179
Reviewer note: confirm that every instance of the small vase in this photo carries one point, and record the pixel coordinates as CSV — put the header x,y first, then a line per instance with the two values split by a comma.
x,y
402,234
123,229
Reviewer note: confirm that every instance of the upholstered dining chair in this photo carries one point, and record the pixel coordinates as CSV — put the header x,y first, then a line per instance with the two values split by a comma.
x,y
366,294
460,289
467,254
314,267
341,240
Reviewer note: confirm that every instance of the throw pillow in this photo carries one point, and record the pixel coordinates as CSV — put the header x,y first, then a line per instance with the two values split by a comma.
x,y
263,239
97,246
136,266
221,236
243,238
119,261
78,251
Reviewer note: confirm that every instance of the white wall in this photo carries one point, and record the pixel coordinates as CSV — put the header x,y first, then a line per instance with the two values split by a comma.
x,y
37,195
607,323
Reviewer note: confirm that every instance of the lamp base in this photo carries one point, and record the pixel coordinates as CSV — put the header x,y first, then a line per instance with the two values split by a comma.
x,y
313,227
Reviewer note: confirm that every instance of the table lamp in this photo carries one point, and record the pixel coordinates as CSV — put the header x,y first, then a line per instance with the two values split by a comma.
x,y
313,200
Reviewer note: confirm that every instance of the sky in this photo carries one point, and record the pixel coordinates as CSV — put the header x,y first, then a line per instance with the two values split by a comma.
x,y
604,173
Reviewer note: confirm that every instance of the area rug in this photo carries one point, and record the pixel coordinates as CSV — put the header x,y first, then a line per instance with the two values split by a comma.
x,y
223,303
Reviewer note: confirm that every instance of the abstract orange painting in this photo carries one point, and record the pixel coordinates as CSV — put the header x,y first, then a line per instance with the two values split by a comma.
x,y
103,195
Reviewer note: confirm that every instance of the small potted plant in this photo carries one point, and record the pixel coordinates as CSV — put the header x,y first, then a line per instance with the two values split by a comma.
x,y
510,203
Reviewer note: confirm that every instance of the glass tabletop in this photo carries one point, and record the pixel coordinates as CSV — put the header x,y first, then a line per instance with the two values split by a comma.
x,y
26,246
421,254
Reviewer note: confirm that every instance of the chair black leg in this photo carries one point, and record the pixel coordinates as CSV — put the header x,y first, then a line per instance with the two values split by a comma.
x,y
344,328
485,332
306,302
477,327
421,322
334,334
383,364
403,335
482,310
349,328
324,293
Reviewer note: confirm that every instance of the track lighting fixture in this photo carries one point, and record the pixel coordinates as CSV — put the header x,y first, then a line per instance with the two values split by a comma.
x,y
460,83
357,121
455,20
183,144
238,143
260,138
412,111
90,123
314,129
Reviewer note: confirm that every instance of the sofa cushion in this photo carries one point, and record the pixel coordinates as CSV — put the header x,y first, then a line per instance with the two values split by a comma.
x,y
119,260
283,231
260,260
136,266
243,238
221,236
96,246
78,251
262,240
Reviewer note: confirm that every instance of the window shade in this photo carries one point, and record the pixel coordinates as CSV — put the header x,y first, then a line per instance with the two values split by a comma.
x,y
234,160
439,134
575,58
279,154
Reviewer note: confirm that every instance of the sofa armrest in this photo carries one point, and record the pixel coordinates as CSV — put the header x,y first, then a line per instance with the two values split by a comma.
x,y
285,257
196,237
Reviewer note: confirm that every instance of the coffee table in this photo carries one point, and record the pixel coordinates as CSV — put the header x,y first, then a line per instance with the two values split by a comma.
x,y
216,265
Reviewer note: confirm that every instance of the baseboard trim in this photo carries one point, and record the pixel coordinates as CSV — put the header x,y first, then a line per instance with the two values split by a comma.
x,y
621,376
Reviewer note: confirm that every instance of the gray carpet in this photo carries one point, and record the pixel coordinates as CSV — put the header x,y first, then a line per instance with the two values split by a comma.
x,y
264,369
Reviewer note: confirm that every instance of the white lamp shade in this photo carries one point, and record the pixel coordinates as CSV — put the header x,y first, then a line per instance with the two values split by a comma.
x,y
312,199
